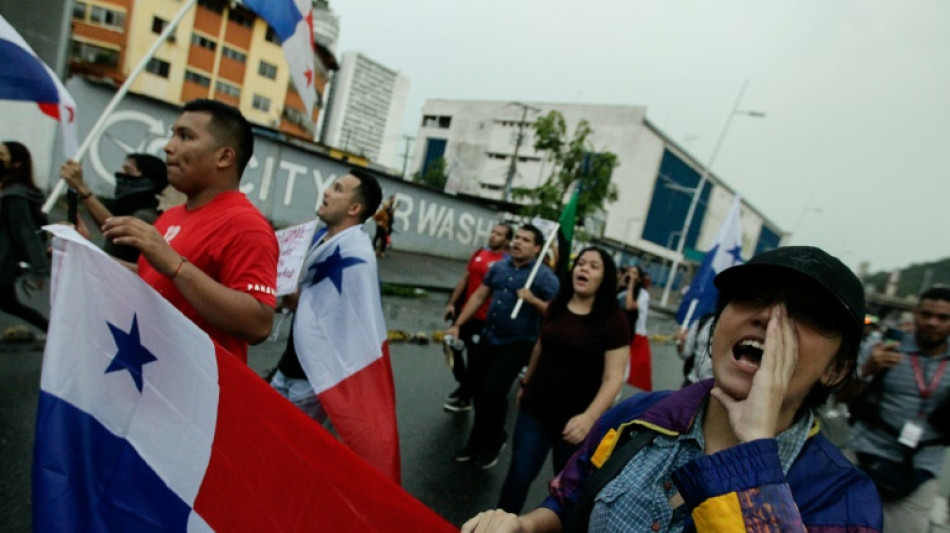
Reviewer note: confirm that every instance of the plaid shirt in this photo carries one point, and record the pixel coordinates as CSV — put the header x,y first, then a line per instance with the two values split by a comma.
x,y
639,496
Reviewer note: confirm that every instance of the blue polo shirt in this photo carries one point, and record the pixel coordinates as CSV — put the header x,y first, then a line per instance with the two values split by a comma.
x,y
504,279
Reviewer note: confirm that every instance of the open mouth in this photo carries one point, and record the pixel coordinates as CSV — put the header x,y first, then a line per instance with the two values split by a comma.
x,y
582,278
748,352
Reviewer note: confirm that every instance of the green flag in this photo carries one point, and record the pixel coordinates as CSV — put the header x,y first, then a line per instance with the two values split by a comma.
x,y
566,232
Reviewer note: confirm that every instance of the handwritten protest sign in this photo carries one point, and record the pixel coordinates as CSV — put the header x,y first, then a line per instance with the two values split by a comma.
x,y
294,243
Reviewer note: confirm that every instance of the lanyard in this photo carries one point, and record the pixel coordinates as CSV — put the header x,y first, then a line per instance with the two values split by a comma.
x,y
925,393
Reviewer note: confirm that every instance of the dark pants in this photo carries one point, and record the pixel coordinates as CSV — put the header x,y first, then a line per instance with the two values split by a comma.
x,y
531,442
379,240
468,330
492,369
11,305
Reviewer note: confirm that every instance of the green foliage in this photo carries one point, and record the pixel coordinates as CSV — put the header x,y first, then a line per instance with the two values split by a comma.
x,y
434,175
914,278
567,153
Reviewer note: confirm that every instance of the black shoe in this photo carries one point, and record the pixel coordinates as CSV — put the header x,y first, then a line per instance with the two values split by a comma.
x,y
488,460
464,455
457,406
457,393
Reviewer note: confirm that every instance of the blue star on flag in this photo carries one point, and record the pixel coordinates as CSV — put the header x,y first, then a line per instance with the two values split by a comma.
x,y
132,356
736,253
332,267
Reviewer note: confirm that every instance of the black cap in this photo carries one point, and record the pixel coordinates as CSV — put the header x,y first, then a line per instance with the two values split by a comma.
x,y
826,271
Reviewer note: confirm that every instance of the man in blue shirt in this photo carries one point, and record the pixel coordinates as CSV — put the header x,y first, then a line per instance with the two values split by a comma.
x,y
505,343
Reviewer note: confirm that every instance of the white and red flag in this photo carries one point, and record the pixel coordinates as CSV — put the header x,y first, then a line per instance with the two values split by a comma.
x,y
144,424
292,20
340,338
24,76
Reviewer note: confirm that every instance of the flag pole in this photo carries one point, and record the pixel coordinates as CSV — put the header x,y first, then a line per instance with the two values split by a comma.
x,y
534,270
119,95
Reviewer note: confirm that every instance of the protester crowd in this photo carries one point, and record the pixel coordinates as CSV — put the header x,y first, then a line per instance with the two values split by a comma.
x,y
739,446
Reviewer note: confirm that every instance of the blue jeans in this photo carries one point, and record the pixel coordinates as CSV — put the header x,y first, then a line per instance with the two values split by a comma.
x,y
531,443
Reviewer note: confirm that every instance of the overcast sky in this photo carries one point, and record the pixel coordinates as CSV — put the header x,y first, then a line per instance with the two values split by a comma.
x,y
853,155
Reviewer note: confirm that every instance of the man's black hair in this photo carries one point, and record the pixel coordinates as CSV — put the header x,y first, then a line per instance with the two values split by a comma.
x,y
369,193
229,128
510,230
152,169
538,236
940,292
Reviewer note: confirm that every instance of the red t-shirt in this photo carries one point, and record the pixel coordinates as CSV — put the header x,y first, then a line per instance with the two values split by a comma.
x,y
478,266
229,240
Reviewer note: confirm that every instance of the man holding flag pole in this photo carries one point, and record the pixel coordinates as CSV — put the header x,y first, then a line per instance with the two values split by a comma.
x,y
506,341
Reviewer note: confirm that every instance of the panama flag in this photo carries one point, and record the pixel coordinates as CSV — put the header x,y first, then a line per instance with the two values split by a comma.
x,y
25,77
292,20
702,295
340,337
144,424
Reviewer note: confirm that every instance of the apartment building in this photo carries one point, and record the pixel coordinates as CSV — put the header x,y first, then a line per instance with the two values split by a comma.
x,y
219,50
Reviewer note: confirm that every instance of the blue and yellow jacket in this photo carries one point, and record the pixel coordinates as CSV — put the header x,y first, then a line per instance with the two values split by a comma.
x,y
742,488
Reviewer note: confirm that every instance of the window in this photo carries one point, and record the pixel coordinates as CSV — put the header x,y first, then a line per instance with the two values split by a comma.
x,y
240,18
433,121
90,53
213,5
157,67
261,103
267,70
194,77
203,42
227,88
231,53
271,36
107,17
159,25
79,10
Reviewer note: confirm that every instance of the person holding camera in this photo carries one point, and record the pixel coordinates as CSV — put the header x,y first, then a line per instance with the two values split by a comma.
x,y
901,429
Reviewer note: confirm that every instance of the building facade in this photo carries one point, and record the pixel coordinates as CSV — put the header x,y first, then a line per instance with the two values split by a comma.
x,y
218,51
365,110
655,178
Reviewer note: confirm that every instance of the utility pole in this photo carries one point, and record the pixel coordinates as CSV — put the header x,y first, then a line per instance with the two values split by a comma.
x,y
514,158
405,154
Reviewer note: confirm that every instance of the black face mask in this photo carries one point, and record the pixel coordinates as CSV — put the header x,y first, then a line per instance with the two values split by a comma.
x,y
126,184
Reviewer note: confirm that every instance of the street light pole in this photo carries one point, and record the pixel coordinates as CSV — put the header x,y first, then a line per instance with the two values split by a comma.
x,y
703,178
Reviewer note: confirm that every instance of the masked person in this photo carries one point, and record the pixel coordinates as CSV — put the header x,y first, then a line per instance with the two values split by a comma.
x,y
137,186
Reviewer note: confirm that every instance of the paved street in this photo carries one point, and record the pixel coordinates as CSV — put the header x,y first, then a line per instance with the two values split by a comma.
x,y
428,435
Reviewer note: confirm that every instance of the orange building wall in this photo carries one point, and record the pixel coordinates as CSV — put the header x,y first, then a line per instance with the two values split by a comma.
x,y
238,35
201,58
191,90
207,21
232,70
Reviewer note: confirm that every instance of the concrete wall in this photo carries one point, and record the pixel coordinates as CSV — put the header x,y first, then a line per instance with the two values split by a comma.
x,y
286,182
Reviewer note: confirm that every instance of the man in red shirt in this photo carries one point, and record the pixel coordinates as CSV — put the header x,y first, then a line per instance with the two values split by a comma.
x,y
215,257
460,399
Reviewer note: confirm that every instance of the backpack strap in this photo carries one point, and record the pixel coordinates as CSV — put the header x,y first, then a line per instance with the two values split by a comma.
x,y
637,437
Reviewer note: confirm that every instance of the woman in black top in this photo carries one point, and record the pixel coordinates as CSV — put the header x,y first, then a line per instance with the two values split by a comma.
x,y
575,373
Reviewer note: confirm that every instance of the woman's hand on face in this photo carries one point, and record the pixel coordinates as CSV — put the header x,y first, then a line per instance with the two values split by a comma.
x,y
577,428
757,416
494,521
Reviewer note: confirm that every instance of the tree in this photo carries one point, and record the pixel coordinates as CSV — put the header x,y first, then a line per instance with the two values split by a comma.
x,y
433,175
574,158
